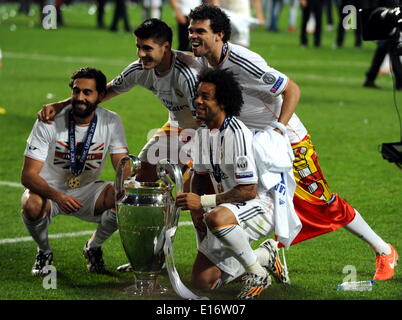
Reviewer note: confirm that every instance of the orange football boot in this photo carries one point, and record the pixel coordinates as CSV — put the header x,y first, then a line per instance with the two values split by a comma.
x,y
385,265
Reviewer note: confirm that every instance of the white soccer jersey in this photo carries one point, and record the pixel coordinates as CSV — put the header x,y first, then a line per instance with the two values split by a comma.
x,y
49,143
241,7
261,87
187,5
225,154
176,90
151,3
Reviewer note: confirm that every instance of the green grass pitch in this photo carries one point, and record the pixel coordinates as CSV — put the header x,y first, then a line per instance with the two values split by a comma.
x,y
347,123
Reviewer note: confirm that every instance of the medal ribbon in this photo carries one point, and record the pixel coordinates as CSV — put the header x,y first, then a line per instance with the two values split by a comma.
x,y
77,165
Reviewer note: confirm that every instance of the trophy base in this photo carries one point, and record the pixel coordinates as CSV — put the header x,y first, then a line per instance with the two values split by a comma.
x,y
146,288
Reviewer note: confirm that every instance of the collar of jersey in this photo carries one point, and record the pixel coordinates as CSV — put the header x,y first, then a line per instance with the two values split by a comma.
x,y
225,123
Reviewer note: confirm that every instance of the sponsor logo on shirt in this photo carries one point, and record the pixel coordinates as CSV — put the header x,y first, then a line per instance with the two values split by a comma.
x,y
277,84
176,108
244,175
171,106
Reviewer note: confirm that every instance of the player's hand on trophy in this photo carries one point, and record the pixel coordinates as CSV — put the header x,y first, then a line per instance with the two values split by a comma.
x,y
49,111
188,201
67,203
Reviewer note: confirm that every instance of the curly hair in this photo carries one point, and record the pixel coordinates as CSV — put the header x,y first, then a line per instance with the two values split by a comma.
x,y
220,22
227,89
91,73
156,29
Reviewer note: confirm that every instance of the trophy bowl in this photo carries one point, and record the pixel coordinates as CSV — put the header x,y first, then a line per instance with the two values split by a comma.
x,y
144,212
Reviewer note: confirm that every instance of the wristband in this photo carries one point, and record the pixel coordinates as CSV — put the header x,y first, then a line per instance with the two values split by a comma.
x,y
208,200
279,125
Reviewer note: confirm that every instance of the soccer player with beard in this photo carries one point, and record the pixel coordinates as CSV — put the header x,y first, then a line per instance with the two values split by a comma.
x,y
63,161
270,96
241,210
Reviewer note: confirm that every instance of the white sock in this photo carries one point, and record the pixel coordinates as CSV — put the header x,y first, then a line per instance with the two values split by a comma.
x,y
262,256
38,231
106,228
155,13
360,228
235,239
256,268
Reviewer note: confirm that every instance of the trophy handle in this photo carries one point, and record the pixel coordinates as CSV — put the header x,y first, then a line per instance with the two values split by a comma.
x,y
120,171
170,175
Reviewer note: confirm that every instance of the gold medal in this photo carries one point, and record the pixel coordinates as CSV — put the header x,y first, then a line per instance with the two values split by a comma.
x,y
220,187
73,182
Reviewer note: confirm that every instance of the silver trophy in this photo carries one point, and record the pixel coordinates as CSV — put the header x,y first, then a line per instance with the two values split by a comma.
x,y
144,212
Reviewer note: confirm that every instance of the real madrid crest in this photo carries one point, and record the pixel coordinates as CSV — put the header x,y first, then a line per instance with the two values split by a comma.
x,y
242,163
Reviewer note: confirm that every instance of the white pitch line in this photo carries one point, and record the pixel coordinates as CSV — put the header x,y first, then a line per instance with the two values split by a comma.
x,y
11,184
114,62
68,235
303,76
51,236
65,59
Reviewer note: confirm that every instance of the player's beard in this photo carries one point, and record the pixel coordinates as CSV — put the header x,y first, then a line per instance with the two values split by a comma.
x,y
90,107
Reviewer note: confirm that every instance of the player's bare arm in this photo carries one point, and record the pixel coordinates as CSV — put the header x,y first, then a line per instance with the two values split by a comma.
x,y
291,97
192,200
106,199
179,14
31,179
240,193
115,158
199,186
259,12
50,110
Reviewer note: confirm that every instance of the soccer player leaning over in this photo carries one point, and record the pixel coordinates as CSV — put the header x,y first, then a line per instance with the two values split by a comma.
x,y
169,74
241,210
270,95
63,161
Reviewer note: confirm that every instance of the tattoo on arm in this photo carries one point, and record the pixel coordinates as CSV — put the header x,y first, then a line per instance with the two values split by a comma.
x,y
240,193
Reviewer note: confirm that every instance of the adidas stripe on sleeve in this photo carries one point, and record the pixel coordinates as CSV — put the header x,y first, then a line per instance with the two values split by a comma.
x,y
256,71
128,79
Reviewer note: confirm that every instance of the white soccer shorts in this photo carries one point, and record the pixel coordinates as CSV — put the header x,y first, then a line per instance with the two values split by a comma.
x,y
88,196
257,220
